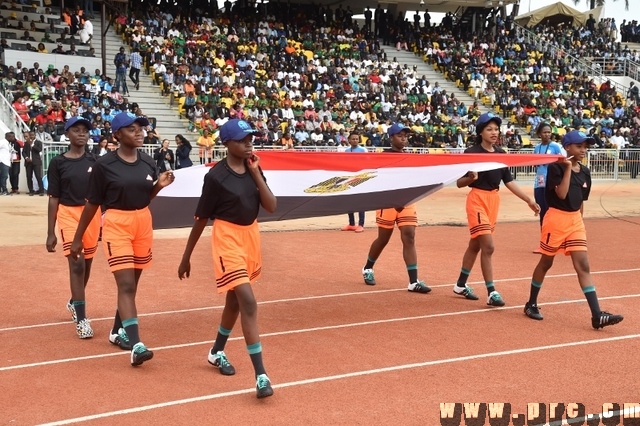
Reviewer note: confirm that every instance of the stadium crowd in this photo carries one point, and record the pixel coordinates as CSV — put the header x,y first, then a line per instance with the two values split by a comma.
x,y
312,75
311,78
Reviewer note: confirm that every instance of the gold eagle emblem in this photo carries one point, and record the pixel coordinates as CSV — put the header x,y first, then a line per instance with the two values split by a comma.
x,y
340,183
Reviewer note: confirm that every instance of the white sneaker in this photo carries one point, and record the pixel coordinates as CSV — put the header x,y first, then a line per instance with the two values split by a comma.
x,y
84,330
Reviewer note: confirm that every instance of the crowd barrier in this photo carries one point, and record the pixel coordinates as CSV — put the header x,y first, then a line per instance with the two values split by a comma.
x,y
605,164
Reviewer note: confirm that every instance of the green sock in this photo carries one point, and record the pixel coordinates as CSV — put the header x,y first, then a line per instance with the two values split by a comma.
x,y
533,294
221,339
81,312
592,300
413,273
255,352
462,279
370,263
490,287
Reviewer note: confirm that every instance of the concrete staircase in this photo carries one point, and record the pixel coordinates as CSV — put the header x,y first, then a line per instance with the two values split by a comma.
x,y
632,46
149,98
433,76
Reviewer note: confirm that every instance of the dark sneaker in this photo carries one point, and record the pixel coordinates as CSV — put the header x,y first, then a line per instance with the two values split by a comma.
x,y
263,386
419,287
465,291
367,274
494,299
532,311
140,354
72,311
120,339
605,319
219,359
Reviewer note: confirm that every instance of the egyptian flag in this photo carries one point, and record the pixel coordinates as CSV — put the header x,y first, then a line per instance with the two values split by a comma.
x,y
314,184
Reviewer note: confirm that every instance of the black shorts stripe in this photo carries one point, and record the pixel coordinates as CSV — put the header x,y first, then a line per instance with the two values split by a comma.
x,y
143,258
407,219
547,247
480,228
91,250
384,221
483,226
231,276
121,260
255,273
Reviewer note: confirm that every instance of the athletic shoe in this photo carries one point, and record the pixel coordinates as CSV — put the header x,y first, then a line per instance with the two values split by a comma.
x,y
465,291
605,319
537,250
359,229
84,330
140,354
367,274
532,311
72,309
494,299
349,228
419,287
219,359
120,339
263,386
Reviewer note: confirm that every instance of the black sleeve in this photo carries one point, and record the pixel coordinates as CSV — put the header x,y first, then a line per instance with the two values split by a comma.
x,y
208,199
37,146
97,185
506,175
586,191
53,178
554,175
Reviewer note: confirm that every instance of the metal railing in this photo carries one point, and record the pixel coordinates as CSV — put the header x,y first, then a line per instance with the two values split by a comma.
x,y
578,65
10,117
622,67
605,164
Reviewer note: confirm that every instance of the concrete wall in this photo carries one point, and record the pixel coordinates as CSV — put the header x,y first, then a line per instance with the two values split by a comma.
x,y
625,81
11,57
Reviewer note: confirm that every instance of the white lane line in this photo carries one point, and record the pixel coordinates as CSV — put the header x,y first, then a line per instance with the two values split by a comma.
x,y
306,298
307,330
321,379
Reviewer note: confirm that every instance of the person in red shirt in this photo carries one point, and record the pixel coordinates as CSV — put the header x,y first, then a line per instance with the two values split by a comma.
x,y
55,113
21,107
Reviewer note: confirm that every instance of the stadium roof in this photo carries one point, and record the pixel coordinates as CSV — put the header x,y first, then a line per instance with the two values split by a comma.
x,y
433,5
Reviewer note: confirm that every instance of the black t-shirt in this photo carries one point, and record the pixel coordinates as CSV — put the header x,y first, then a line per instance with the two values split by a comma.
x,y
489,180
68,178
117,184
579,188
229,196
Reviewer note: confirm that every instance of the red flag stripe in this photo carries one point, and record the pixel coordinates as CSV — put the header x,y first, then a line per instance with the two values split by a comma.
x,y
350,162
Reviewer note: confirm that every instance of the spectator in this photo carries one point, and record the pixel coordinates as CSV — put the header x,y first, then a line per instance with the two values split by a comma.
x,y
182,152
16,155
121,63
205,142
164,157
136,65
5,165
33,162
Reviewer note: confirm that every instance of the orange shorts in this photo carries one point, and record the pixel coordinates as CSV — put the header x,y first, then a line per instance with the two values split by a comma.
x,y
562,232
482,211
387,218
68,218
236,254
127,237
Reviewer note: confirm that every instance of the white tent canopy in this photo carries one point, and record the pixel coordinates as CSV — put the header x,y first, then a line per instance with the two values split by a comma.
x,y
558,13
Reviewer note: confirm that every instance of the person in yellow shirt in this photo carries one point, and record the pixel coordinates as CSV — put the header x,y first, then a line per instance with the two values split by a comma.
x,y
205,142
